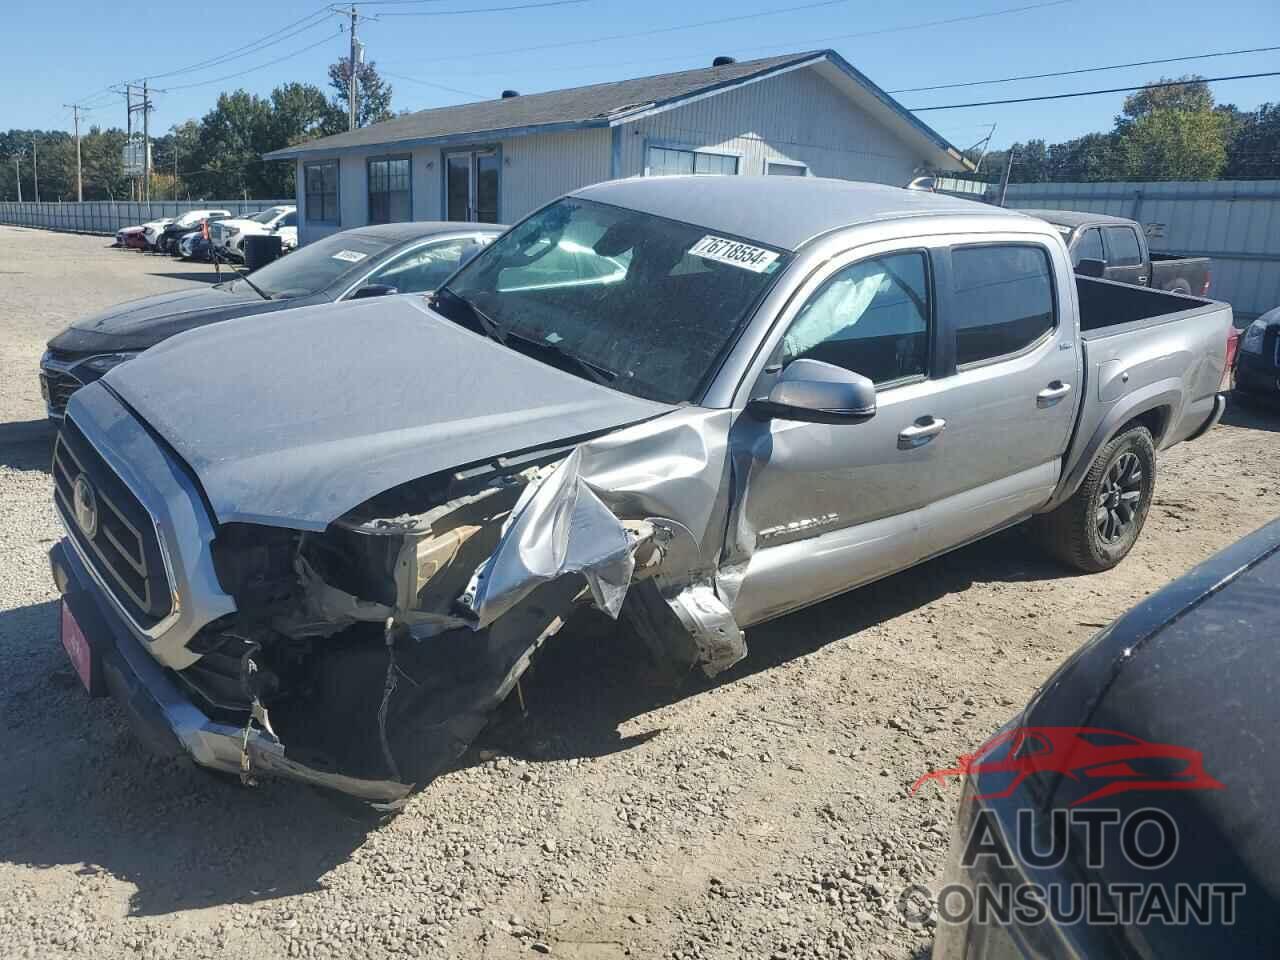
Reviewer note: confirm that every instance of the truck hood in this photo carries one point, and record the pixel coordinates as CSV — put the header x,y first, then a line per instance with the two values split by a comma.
x,y
139,324
302,419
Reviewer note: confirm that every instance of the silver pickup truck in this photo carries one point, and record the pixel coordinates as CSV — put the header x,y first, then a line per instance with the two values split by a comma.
x,y
327,548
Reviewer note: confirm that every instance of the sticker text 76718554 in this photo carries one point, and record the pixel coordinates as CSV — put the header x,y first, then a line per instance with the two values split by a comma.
x,y
734,252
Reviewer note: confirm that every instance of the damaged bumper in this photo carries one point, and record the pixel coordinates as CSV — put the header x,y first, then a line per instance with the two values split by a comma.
x,y
160,713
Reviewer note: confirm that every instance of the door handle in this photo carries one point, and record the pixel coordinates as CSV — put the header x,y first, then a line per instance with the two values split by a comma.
x,y
1142,279
920,432
1052,393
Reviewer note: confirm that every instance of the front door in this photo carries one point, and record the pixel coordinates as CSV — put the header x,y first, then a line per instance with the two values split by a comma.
x,y
471,185
830,506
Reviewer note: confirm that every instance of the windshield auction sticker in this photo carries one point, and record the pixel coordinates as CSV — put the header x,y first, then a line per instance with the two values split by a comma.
x,y
351,256
733,252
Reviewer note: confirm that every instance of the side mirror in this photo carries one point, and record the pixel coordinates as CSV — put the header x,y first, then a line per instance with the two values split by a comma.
x,y
374,290
815,392
1092,268
468,254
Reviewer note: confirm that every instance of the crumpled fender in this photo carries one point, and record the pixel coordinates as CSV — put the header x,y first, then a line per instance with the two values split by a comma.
x,y
607,499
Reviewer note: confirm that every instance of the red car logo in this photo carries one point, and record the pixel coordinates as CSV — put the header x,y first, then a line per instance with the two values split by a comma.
x,y
1119,761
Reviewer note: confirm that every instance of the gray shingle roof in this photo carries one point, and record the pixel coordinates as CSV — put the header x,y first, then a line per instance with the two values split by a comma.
x,y
575,107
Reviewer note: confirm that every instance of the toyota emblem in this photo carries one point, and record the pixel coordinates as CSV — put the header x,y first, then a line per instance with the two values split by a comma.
x,y
86,506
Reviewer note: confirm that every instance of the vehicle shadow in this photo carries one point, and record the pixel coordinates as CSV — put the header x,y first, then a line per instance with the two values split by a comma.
x,y
1253,413
27,444
77,790
594,676
201,277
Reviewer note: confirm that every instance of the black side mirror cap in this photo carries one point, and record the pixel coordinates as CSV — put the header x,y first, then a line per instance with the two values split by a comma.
x,y
811,391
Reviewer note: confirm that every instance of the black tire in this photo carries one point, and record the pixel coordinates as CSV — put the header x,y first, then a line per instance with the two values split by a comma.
x,y
1097,527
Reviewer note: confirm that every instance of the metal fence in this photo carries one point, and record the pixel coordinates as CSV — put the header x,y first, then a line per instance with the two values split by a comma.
x,y
108,216
1236,222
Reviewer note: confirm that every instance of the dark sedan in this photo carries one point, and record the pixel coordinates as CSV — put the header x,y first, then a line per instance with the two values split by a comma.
x,y
1258,358
364,262
1130,810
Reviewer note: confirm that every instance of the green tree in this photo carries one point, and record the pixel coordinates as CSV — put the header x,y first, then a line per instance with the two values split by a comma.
x,y
1172,133
373,94
1253,147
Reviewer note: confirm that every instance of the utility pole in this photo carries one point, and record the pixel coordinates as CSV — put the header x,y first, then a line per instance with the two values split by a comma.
x,y
146,141
128,100
17,174
175,168
75,110
1004,182
351,92
35,169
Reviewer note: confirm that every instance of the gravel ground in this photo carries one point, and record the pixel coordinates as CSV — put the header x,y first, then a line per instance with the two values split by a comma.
x,y
765,814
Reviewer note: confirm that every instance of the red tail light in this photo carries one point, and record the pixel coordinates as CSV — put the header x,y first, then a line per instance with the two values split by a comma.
x,y
1208,276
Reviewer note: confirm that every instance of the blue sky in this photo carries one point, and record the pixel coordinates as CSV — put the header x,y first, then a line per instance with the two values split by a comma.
x,y
74,49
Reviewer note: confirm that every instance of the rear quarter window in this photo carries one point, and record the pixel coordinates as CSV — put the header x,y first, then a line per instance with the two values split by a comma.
x,y
1001,300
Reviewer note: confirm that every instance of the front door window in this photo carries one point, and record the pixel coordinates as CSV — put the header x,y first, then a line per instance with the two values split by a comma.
x,y
472,185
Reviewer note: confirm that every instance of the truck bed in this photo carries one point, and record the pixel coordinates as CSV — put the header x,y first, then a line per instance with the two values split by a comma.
x,y
1147,353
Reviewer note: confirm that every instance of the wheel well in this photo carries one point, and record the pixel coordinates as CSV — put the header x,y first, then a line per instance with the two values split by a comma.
x,y
1156,421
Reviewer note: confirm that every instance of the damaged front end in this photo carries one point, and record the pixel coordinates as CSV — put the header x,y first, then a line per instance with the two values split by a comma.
x,y
367,656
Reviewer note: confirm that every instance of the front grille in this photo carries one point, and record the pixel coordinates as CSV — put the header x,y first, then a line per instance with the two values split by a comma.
x,y
124,549
60,386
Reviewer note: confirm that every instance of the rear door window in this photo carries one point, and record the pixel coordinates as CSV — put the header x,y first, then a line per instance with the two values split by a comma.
x,y
1001,300
1123,244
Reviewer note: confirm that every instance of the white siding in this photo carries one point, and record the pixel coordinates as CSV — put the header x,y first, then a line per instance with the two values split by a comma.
x,y
797,116
535,170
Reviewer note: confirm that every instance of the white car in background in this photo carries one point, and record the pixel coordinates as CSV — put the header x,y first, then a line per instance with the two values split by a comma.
x,y
227,236
151,231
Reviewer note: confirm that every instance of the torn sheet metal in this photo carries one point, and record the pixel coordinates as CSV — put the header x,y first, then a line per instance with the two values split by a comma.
x,y
557,527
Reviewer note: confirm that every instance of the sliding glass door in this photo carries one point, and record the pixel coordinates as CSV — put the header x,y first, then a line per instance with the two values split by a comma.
x,y
471,185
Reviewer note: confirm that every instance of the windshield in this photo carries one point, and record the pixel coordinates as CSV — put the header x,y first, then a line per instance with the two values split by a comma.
x,y
318,265
640,302
266,216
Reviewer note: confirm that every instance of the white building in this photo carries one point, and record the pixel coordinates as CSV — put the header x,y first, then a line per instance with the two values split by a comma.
x,y
804,114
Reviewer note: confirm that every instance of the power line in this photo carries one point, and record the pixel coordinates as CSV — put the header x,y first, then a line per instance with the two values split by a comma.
x,y
919,25
438,86
270,39
1094,93
560,44
1069,73
460,13
262,66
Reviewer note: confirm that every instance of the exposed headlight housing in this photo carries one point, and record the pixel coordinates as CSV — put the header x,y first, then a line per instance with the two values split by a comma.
x,y
1251,342
106,361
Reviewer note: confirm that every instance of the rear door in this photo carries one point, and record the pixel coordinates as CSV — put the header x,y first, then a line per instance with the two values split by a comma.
x,y
1125,263
1013,395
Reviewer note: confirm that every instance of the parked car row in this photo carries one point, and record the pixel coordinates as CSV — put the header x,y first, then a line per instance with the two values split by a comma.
x,y
204,234
364,262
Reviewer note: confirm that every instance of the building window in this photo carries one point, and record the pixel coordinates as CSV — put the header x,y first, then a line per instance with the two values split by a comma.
x,y
668,161
784,168
389,191
322,191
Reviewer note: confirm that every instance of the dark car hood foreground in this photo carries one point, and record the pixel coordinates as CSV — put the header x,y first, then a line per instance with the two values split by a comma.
x,y
295,422
141,324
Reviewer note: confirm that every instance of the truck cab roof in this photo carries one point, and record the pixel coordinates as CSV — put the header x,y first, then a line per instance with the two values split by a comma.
x,y
783,212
